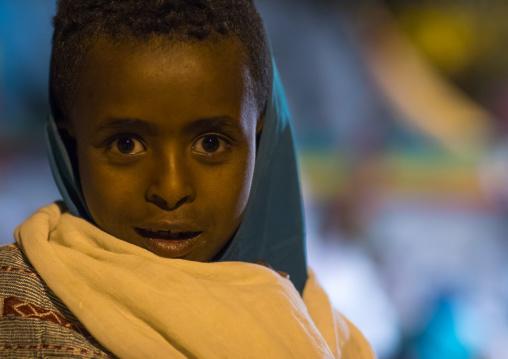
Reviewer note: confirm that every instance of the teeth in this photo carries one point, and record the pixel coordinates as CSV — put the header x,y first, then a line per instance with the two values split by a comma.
x,y
167,234
155,233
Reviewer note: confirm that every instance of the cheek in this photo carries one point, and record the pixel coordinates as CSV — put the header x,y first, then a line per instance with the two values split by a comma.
x,y
231,190
109,192
245,183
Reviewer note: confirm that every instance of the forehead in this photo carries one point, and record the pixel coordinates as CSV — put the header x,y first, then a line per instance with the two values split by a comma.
x,y
201,77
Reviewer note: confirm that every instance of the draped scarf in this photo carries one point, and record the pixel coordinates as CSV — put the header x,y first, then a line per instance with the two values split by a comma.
x,y
140,305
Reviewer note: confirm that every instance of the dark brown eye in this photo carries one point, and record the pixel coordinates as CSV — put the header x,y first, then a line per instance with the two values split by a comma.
x,y
210,143
127,146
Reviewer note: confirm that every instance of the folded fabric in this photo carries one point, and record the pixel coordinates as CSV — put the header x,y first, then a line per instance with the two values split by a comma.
x,y
138,304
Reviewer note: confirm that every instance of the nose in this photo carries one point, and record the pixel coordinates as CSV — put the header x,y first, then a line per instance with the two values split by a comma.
x,y
170,184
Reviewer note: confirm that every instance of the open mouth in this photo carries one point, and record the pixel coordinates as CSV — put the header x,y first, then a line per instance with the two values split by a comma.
x,y
166,234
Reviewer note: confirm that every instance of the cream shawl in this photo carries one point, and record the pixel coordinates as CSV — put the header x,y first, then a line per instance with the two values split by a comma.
x,y
139,305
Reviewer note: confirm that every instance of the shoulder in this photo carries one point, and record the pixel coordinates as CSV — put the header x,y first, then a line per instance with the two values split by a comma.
x,y
18,279
33,321
352,343
11,255
343,338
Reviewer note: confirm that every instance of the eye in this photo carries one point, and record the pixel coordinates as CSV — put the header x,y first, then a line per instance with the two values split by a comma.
x,y
127,145
210,144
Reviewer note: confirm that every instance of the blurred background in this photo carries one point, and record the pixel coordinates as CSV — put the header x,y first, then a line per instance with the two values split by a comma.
x,y
400,110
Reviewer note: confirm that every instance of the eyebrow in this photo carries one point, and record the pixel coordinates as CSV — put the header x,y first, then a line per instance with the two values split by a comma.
x,y
125,124
216,123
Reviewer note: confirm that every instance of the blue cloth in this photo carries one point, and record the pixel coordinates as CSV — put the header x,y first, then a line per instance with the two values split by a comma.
x,y
272,229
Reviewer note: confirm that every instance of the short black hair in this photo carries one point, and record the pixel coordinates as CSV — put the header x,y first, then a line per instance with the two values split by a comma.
x,y
80,23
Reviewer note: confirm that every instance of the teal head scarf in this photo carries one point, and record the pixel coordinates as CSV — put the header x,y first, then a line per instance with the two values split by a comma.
x,y
272,229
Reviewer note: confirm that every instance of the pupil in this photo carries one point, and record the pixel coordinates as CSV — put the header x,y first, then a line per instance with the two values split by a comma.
x,y
125,145
211,144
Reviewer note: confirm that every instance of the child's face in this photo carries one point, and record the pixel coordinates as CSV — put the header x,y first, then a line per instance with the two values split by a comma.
x,y
166,144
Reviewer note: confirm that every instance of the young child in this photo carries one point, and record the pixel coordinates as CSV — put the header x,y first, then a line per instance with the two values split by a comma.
x,y
181,231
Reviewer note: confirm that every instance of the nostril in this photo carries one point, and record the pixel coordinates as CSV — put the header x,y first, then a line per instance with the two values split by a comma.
x,y
166,205
158,201
186,199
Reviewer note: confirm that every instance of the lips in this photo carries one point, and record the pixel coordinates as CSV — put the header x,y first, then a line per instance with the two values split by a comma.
x,y
170,238
167,234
